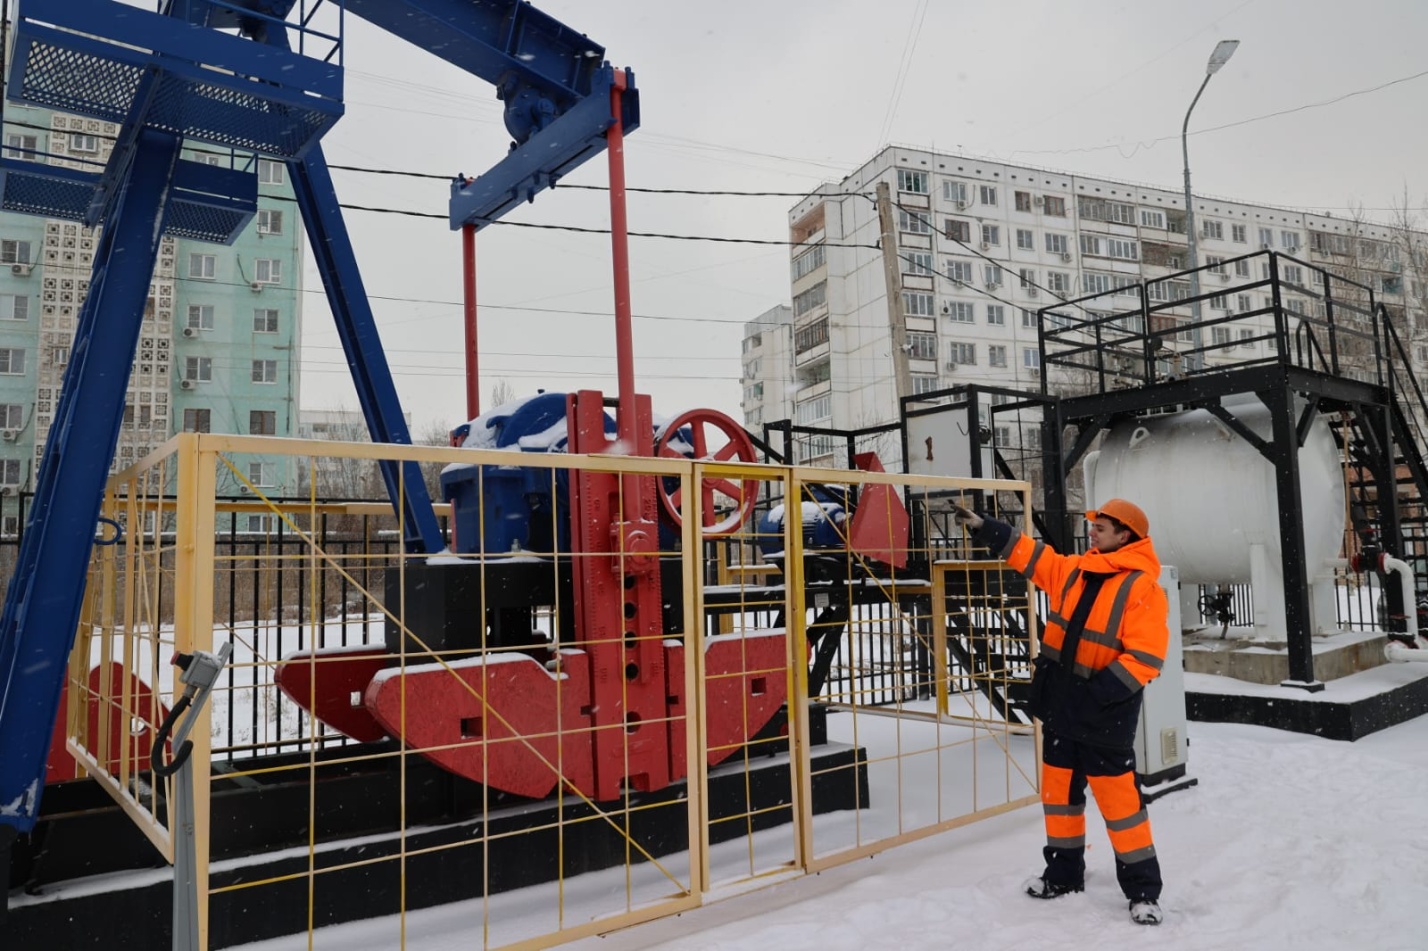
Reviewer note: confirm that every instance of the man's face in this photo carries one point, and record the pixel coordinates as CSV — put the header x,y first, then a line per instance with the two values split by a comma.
x,y
1105,537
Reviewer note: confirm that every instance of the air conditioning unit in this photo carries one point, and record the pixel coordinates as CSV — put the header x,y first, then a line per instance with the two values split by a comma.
x,y
10,435
986,245
1066,255
951,364
946,307
1034,371
1038,200
1266,246
993,285
1031,292
962,204
1224,277
21,270
190,331
7,490
186,384
255,286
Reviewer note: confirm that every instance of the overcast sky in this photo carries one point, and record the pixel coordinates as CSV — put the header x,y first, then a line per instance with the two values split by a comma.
x,y
782,96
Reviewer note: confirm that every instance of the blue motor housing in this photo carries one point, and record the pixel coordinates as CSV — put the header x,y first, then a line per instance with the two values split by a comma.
x,y
515,508
825,514
502,509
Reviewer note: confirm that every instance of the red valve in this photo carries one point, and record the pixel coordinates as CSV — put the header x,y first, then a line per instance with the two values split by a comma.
x,y
737,448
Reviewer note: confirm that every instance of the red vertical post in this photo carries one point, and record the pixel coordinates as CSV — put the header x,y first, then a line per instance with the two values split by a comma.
x,y
468,291
620,258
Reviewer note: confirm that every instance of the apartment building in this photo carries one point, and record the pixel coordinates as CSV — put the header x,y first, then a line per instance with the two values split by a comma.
x,y
978,247
218,349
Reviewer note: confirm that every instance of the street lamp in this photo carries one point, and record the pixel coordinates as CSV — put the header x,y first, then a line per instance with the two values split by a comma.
x,y
1223,51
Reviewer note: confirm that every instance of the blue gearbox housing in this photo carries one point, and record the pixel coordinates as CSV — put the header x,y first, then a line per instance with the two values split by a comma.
x,y
825,513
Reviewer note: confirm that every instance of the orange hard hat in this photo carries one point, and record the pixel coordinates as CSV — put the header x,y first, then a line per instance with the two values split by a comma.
x,y
1127,513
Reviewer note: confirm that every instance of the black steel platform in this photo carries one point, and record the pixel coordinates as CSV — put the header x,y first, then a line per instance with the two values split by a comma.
x,y
1344,710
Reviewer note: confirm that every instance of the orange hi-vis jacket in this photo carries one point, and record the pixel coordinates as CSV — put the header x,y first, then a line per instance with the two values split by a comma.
x,y
1124,638
1126,631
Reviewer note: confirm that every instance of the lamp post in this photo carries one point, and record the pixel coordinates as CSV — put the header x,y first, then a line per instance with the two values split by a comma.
x,y
1223,51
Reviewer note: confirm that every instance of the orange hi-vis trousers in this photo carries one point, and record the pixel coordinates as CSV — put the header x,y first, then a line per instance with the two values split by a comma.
x,y
1067,767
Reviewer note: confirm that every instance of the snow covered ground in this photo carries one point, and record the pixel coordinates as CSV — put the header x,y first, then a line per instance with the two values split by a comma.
x,y
1288,841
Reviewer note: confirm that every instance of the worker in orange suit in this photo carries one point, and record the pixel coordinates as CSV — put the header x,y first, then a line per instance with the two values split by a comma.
x,y
1104,639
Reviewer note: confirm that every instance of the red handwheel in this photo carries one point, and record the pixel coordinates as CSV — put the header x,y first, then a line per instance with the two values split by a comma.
x,y
737,447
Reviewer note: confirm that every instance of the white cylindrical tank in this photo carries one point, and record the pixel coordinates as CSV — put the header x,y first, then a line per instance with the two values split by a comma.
x,y
1210,495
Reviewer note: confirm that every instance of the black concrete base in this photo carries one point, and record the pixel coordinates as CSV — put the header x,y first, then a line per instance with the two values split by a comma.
x,y
1320,716
135,913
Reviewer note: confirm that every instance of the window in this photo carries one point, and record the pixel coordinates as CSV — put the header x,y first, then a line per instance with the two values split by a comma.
x,y
12,416
1293,274
809,261
263,422
209,158
1329,243
917,304
265,320
809,411
1152,219
1218,302
988,195
959,271
1243,304
14,252
14,307
1025,239
1216,265
1212,229
1242,268
1058,282
1289,240
12,361
955,192
1099,209
1057,244
1054,206
815,296
1237,233
1246,340
917,262
1022,200
21,146
813,335
957,230
9,471
1028,318
996,355
910,181
963,354
1391,284
200,316
922,383
912,222
1125,250
83,143
961,312
198,369
997,315
269,221
265,371
1091,244
259,524
268,270
197,421
59,356
1026,277
1030,357
991,234
922,346
260,473
1266,237
271,173
204,267
1220,336
1092,283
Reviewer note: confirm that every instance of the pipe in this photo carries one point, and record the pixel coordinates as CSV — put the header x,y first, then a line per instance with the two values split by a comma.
x,y
468,289
620,257
1398,653
1410,591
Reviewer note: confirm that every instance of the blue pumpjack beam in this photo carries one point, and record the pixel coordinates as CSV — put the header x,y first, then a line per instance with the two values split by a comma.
x,y
42,605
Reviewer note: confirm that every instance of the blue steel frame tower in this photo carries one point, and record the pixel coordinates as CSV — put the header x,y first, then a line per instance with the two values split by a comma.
x,y
175,76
